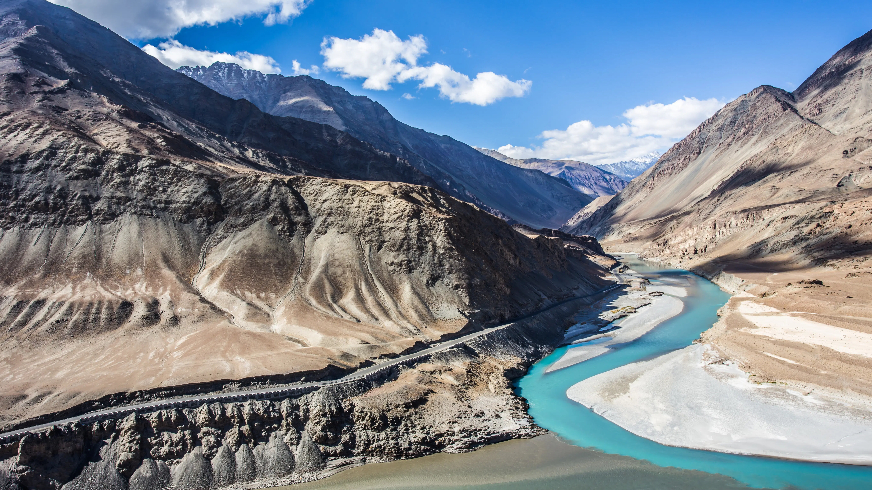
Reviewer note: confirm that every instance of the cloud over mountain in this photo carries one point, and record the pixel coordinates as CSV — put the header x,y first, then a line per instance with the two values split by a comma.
x,y
382,58
137,19
675,120
650,127
299,70
174,54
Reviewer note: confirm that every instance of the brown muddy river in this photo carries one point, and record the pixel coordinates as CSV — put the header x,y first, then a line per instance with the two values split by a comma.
x,y
541,463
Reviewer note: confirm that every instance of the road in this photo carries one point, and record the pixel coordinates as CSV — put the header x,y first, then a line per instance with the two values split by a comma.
x,y
283,391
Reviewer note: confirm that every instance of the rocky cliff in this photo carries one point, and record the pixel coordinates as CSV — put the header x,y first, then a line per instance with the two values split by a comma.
x,y
454,400
520,194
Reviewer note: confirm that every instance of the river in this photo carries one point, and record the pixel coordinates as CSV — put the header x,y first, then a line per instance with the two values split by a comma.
x,y
600,454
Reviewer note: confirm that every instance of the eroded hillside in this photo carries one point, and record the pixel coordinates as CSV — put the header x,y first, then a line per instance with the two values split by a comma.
x,y
155,233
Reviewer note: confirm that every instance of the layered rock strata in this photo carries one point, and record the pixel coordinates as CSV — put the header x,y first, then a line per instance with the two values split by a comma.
x,y
228,277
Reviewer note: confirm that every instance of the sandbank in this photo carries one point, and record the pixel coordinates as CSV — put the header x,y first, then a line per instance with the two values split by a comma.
x,y
769,322
630,328
693,398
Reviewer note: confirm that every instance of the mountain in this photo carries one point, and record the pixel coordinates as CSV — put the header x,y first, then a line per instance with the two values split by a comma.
x,y
522,195
630,169
157,234
771,197
591,180
585,213
168,111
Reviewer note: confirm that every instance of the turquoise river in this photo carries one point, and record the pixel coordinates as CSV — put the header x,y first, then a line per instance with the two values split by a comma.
x,y
600,454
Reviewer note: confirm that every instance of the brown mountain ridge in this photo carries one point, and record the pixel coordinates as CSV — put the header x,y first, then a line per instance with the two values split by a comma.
x,y
155,233
772,197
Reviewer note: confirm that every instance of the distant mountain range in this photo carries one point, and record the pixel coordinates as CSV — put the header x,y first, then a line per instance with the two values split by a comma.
x,y
591,180
520,194
630,169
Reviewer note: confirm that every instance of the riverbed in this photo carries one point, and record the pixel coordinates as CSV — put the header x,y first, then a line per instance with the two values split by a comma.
x,y
588,451
553,410
541,463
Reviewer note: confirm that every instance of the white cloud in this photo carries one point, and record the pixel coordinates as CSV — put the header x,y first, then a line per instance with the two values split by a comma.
x,y
649,128
149,19
486,88
378,57
673,120
382,58
174,54
408,96
299,70
588,143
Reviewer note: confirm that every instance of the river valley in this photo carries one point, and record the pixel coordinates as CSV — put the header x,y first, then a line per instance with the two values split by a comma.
x,y
613,457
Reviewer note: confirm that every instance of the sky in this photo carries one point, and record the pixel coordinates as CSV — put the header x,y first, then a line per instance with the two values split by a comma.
x,y
593,81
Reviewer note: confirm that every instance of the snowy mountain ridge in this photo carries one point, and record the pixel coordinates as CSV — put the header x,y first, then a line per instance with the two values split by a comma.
x,y
589,179
630,169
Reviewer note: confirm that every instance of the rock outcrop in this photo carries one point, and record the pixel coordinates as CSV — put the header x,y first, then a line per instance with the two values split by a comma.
x,y
455,400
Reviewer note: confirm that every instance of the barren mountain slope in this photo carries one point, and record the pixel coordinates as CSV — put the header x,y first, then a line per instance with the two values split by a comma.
x,y
586,212
139,248
521,194
584,177
84,66
776,188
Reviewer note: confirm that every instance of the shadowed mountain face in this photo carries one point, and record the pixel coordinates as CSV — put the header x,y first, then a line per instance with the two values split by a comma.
x,y
156,233
584,177
520,194
771,173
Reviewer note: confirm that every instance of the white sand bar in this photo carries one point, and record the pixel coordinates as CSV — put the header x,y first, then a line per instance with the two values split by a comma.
x,y
631,328
673,290
796,329
680,399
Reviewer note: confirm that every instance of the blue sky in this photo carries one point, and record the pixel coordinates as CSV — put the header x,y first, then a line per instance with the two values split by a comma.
x,y
585,61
